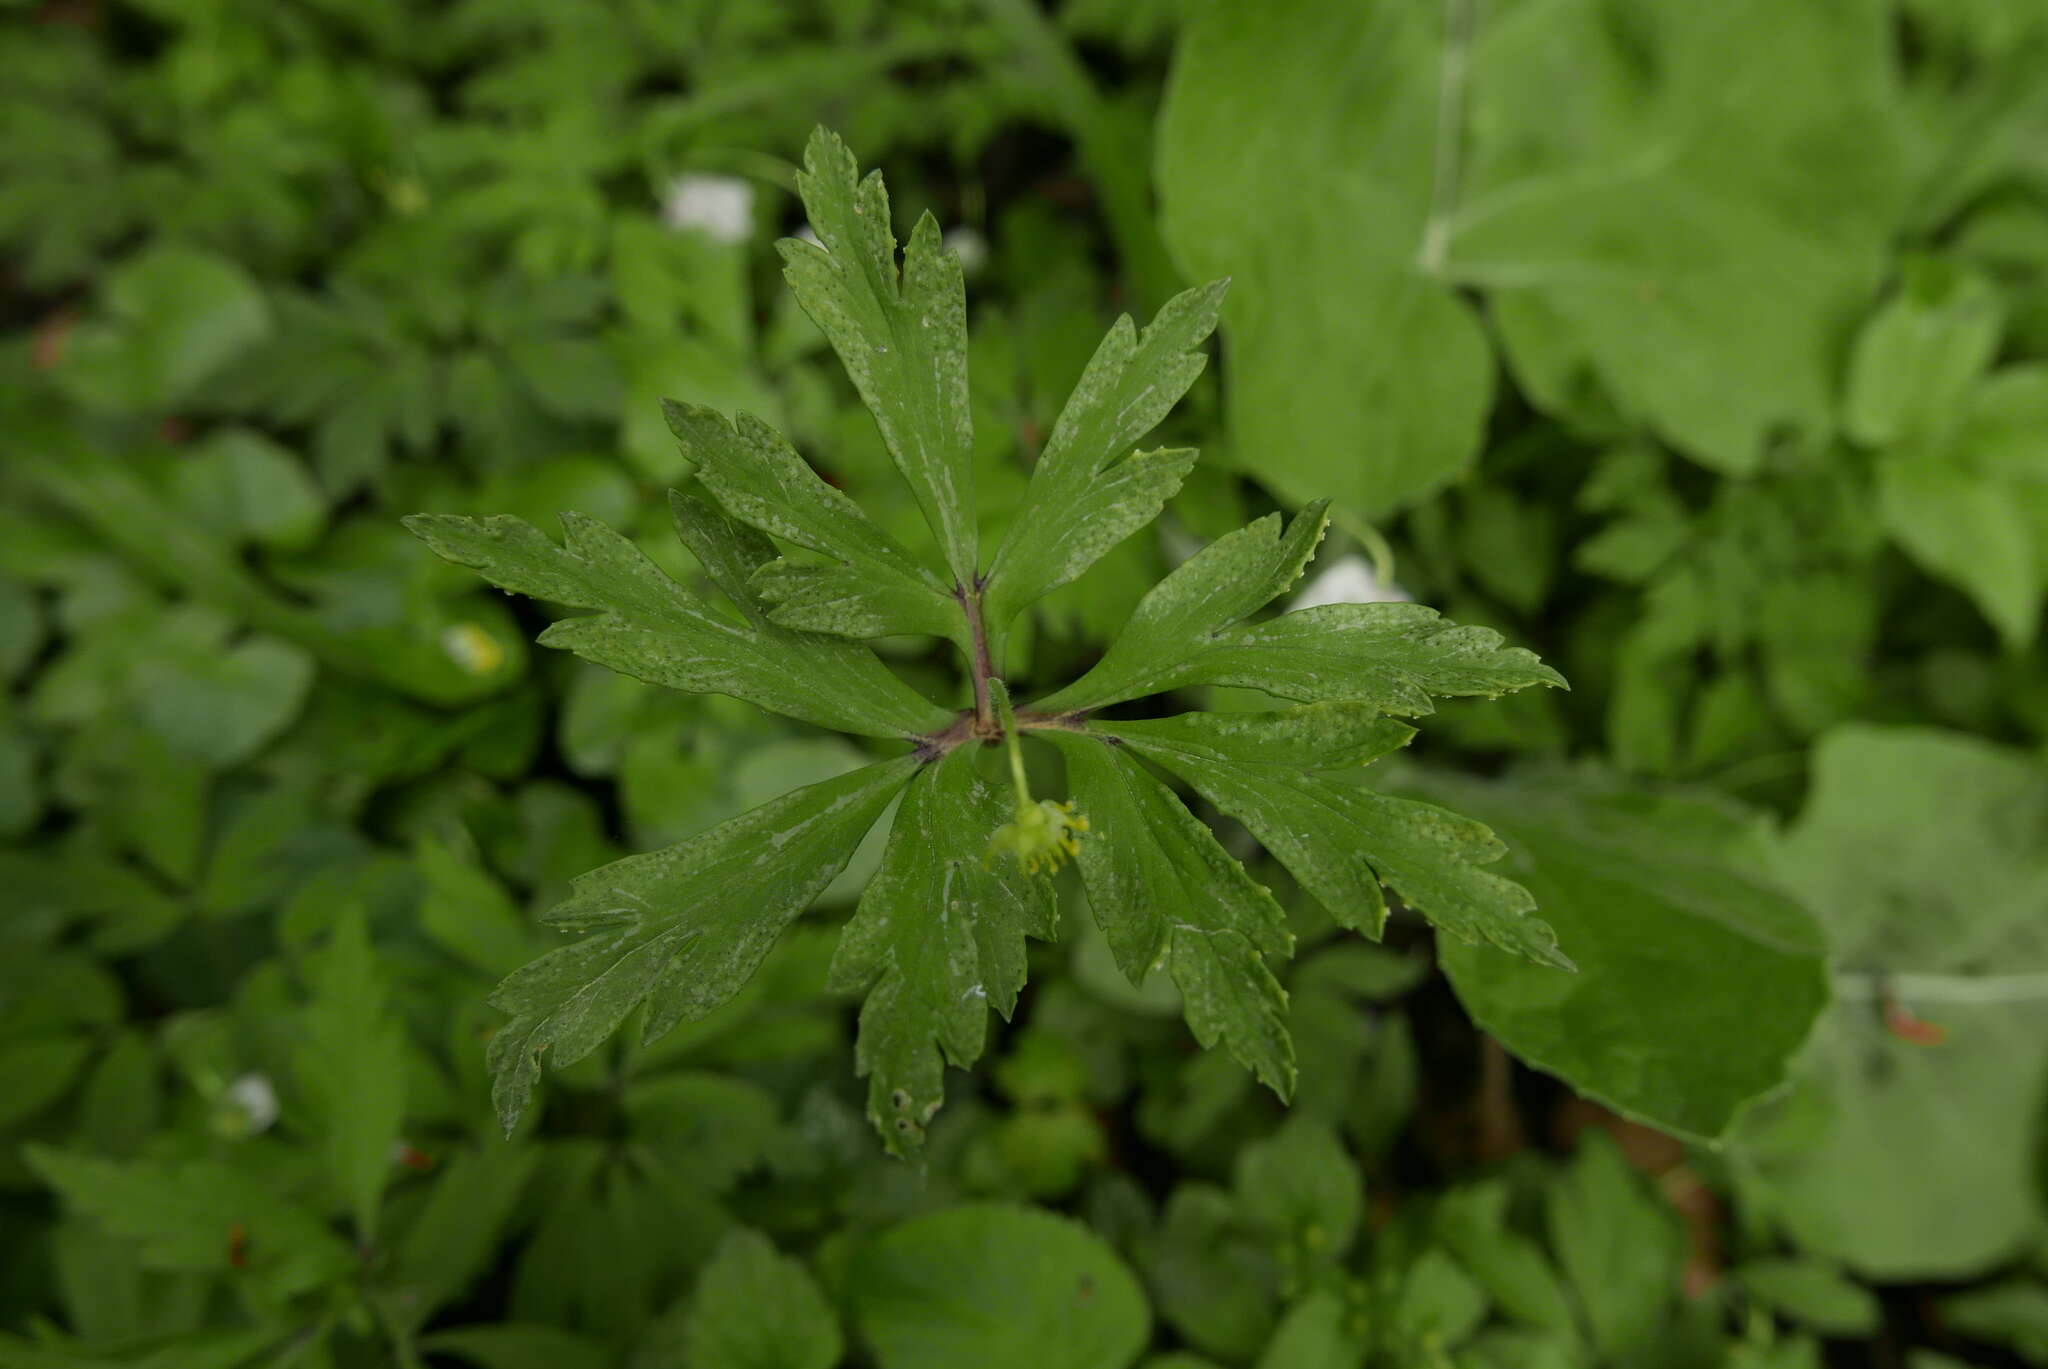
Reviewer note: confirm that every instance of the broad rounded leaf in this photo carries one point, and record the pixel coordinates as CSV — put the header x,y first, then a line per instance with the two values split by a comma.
x,y
1697,981
1907,1147
1353,373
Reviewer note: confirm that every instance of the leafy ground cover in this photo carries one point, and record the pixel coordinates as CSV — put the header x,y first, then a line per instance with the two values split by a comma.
x,y
1696,1014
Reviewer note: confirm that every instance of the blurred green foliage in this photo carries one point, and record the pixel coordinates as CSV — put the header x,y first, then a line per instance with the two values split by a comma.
x,y
1698,347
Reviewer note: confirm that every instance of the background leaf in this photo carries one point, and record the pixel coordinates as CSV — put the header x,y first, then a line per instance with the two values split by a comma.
x,y
178,314
1616,1243
1341,97
1711,977
995,1285
352,1066
653,629
1901,1151
756,1309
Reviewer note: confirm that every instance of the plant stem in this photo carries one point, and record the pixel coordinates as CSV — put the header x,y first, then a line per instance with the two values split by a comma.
x,y
963,729
1944,988
1012,738
981,666
1374,543
979,662
992,717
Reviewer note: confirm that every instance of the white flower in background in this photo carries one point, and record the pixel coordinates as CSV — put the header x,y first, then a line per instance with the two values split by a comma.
x,y
472,648
970,246
1350,580
721,206
255,1098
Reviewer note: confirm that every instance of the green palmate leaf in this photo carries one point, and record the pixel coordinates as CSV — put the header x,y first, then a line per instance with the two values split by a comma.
x,y
729,551
1216,588
756,1308
1697,980
902,336
654,629
1167,896
1090,489
680,929
939,936
999,1287
1189,630
847,601
1340,841
1396,656
937,941
1340,734
876,588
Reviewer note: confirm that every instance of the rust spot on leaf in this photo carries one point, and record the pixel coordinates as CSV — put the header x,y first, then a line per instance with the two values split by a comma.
x,y
1918,1031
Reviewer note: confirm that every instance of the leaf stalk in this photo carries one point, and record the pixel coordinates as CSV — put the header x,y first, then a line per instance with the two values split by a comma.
x,y
981,664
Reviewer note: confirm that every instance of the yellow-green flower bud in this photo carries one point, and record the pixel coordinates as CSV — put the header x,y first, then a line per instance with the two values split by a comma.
x,y
1044,833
